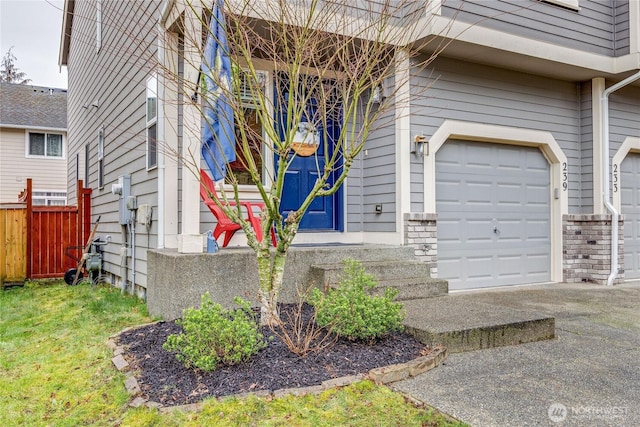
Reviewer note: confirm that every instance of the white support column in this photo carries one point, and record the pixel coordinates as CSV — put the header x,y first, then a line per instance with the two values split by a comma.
x,y
634,26
597,89
168,145
190,240
403,140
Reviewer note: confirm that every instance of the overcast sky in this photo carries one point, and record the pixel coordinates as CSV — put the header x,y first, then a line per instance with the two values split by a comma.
x,y
33,28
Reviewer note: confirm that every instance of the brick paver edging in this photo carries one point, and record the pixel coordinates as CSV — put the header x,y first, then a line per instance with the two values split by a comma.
x,y
384,375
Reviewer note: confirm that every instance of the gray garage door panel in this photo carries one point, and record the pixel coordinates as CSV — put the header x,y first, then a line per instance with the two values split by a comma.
x,y
630,198
493,211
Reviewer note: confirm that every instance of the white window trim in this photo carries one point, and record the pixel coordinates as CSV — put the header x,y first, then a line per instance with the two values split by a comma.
x,y
149,123
45,132
87,170
569,4
48,198
101,157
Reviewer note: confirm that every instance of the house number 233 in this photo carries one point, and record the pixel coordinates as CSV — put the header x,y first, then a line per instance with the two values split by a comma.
x,y
615,178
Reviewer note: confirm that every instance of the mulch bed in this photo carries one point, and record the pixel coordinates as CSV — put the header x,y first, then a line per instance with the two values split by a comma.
x,y
164,379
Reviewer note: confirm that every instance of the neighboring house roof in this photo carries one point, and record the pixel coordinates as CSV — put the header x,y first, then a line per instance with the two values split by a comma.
x,y
33,106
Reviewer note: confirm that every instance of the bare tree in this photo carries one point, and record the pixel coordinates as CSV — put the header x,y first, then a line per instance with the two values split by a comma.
x,y
9,73
328,61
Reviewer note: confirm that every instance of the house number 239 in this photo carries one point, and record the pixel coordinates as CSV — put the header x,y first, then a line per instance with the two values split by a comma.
x,y
565,177
615,178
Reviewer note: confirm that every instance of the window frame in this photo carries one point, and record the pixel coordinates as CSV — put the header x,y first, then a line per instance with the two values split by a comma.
x,y
151,148
27,149
87,171
267,163
567,4
48,198
101,157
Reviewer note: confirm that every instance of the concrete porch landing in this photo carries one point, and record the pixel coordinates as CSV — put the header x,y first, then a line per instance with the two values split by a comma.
x,y
462,323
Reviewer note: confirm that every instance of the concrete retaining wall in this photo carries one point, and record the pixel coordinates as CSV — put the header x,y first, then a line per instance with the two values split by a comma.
x,y
176,281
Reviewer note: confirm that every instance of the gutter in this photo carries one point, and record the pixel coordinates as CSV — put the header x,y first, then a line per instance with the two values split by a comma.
x,y
605,158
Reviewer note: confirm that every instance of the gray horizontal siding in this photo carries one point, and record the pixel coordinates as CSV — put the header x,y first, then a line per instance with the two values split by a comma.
x,y
399,12
115,78
624,115
621,26
590,29
354,198
379,176
475,93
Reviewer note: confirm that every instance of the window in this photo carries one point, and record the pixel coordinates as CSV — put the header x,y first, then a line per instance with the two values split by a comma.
x,y
86,165
152,122
98,25
101,158
254,137
45,145
49,198
254,132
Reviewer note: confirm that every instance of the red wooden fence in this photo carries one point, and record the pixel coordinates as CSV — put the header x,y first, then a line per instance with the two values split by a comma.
x,y
56,235
52,231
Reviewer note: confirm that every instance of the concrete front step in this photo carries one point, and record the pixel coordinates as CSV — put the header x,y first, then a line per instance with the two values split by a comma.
x,y
414,288
462,324
383,271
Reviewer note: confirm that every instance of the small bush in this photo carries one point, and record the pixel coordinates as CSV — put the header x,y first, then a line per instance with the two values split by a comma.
x,y
353,311
300,332
212,335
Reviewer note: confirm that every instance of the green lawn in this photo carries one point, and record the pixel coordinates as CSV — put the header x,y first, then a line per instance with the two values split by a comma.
x,y
55,370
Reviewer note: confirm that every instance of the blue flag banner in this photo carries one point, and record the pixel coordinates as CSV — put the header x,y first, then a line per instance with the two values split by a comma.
x,y
218,136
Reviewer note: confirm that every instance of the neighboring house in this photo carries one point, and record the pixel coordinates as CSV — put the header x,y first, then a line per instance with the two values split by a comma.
x,y
508,191
33,143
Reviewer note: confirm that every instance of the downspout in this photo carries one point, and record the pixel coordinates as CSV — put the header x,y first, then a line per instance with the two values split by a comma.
x,y
605,158
133,252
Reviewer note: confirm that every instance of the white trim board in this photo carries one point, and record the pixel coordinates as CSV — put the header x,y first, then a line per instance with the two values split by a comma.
x,y
630,145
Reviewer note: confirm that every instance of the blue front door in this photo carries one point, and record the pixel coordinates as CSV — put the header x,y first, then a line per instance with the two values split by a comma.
x,y
324,213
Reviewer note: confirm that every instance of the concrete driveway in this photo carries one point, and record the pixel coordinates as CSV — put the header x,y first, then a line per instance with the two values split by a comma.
x,y
588,376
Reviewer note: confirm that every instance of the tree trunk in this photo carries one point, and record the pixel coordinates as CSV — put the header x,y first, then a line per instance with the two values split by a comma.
x,y
271,274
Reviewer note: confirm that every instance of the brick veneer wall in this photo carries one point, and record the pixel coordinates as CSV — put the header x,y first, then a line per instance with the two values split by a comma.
x,y
420,231
587,248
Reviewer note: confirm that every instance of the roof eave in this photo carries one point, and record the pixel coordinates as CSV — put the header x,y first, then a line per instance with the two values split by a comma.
x,y
65,37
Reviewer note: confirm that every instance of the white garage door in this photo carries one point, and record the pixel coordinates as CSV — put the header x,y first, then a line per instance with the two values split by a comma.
x,y
630,198
493,211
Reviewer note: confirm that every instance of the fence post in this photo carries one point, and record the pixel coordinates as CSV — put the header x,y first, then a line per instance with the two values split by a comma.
x,y
29,235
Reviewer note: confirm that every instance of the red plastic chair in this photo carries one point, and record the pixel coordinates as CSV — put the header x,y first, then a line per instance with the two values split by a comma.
x,y
225,225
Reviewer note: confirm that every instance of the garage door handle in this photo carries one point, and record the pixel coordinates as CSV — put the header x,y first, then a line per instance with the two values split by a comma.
x,y
495,229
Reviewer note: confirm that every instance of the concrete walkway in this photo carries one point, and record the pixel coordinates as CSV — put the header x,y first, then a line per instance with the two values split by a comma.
x,y
588,376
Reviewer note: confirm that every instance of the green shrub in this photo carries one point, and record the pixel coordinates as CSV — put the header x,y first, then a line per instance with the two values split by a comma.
x,y
212,335
353,311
